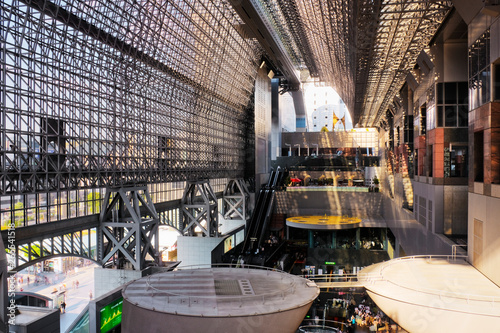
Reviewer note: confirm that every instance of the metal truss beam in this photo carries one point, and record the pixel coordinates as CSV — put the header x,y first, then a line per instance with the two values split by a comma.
x,y
4,299
235,200
199,209
81,243
260,20
364,49
128,230
121,93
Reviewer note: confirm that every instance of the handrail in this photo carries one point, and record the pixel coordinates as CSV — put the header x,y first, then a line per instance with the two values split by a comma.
x,y
454,249
289,281
321,323
330,277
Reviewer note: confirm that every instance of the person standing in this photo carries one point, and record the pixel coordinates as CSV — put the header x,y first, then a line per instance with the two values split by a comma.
x,y
63,307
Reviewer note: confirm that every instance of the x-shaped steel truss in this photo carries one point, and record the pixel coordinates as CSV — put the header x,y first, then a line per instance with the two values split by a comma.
x,y
129,227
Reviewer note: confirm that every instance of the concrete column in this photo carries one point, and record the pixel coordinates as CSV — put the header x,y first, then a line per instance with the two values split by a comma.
x,y
396,250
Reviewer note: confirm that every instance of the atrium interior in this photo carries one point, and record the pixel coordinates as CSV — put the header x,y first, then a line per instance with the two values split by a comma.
x,y
184,165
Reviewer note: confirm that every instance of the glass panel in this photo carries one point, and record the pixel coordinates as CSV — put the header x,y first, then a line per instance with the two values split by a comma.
x,y
496,83
485,86
64,211
31,216
459,161
31,200
463,116
440,116
463,96
482,54
450,93
450,116
439,93
53,198
43,214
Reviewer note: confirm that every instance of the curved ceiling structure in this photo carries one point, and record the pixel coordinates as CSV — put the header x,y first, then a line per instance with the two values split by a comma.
x,y
364,49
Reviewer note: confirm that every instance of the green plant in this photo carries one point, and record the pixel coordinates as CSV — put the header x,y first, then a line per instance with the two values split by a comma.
x,y
375,180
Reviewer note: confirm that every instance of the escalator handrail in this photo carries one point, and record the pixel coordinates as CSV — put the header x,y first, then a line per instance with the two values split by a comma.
x,y
266,218
255,215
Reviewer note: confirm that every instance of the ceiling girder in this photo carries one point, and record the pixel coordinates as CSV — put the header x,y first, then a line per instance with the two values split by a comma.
x,y
364,49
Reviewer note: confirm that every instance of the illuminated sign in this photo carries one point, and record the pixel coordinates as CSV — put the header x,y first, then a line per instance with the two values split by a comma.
x,y
329,262
111,315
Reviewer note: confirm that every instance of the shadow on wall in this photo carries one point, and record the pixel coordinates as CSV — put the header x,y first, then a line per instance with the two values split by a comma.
x,y
352,204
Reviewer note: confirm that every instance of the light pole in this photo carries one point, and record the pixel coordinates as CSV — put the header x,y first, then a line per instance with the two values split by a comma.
x,y
307,146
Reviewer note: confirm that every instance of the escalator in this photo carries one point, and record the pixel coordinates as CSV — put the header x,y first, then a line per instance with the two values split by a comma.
x,y
261,215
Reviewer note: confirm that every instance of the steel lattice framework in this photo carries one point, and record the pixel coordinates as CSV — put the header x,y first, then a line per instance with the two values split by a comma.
x,y
113,93
364,48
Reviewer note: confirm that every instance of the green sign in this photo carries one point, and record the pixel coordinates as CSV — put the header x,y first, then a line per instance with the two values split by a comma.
x,y
330,263
111,315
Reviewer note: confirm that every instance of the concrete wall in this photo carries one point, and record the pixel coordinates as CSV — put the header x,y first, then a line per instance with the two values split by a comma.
x,y
137,319
455,210
484,245
428,205
106,279
443,208
413,237
225,226
195,250
36,320
357,204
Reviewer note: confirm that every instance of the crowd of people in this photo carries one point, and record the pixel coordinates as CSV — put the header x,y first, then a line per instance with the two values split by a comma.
x,y
362,317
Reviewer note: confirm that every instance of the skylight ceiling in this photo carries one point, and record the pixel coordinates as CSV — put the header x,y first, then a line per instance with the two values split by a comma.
x,y
364,49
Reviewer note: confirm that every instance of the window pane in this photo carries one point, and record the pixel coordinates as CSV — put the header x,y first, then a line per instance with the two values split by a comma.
x,y
450,116
463,95
473,61
496,87
439,93
439,116
485,86
450,93
463,116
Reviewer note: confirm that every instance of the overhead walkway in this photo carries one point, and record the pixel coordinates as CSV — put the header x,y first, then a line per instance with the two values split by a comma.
x,y
434,294
327,281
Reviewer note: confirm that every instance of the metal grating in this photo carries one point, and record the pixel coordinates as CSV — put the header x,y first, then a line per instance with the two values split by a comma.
x,y
227,288
233,287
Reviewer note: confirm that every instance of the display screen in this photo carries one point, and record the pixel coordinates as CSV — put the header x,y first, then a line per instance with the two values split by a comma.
x,y
111,315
